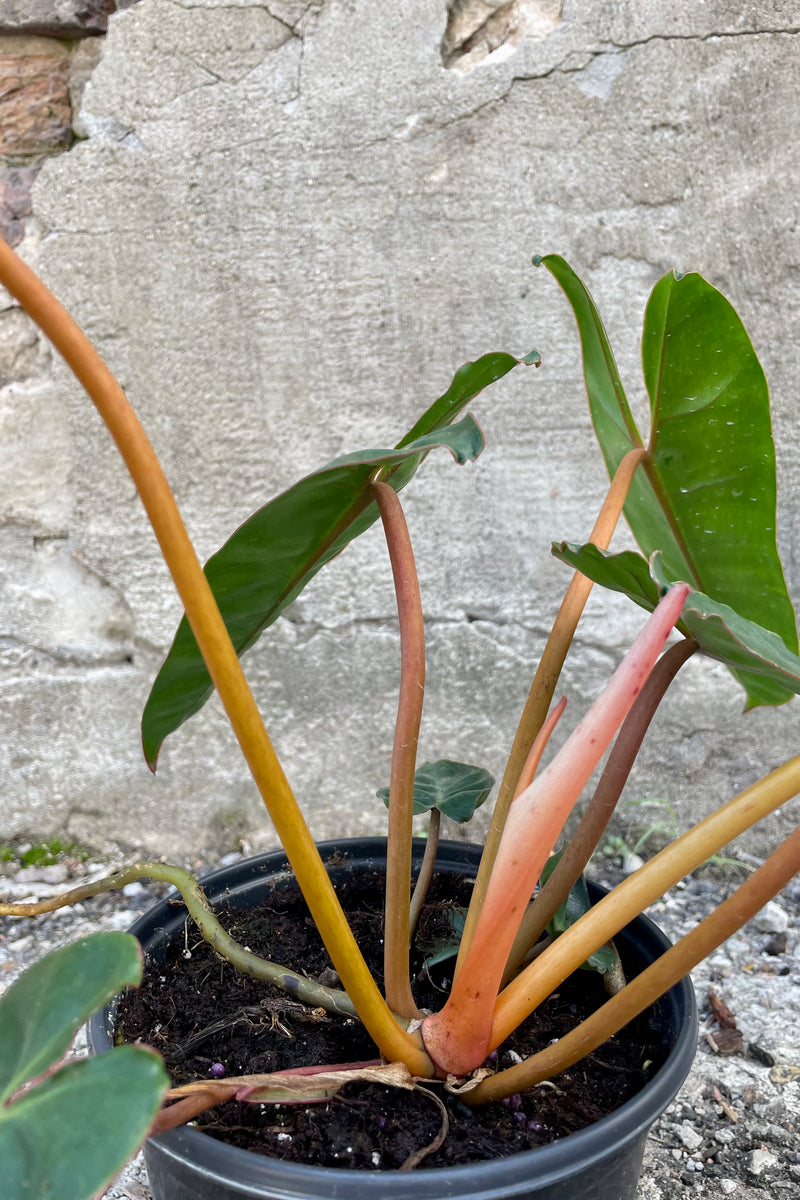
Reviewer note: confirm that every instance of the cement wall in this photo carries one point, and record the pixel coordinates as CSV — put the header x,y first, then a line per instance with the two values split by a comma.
x,y
285,225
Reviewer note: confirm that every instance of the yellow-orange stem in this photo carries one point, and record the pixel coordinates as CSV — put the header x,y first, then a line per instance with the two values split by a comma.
x,y
544,685
217,650
631,897
653,982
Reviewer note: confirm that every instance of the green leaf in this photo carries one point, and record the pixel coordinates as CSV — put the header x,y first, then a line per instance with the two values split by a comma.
x,y
747,648
468,381
41,1013
576,905
68,1135
445,947
270,559
757,656
707,497
625,572
455,788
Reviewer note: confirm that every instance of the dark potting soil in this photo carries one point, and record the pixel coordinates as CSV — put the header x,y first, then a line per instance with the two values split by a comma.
x,y
198,1012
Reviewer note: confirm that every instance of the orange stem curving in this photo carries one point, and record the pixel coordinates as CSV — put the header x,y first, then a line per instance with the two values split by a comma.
x,y
217,650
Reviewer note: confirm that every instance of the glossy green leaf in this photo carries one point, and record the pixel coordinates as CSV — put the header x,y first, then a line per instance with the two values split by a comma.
x,y
626,572
455,788
42,1011
751,651
68,1135
707,497
714,455
468,381
270,559
769,672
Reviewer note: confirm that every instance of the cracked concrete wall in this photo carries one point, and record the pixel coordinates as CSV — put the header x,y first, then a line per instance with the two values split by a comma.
x,y
285,224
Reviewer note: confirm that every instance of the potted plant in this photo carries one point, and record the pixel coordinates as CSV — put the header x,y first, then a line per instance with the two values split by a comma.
x,y
700,500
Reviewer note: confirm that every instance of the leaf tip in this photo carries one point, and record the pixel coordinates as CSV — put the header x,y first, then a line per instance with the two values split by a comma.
x,y
150,753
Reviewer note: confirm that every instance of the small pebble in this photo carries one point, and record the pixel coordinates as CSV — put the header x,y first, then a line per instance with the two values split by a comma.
x,y
56,873
776,945
727,1186
691,1139
761,1055
771,919
759,1161
217,1070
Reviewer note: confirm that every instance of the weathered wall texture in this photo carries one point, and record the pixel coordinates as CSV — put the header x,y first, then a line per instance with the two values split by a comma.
x,y
285,225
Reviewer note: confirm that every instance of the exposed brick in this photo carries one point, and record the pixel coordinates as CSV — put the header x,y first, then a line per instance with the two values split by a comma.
x,y
35,112
15,201
56,18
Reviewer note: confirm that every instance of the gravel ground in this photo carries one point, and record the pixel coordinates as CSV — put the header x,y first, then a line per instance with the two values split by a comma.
x,y
732,1131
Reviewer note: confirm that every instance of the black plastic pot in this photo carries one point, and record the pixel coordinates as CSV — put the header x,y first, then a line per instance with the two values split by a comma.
x,y
601,1162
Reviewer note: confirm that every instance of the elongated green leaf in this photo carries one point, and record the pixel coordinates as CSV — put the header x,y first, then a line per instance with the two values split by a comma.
x,y
455,788
468,381
68,1135
754,653
41,1013
270,559
706,498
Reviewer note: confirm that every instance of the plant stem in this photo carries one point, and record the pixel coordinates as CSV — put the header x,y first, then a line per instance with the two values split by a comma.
x,y
633,895
544,685
425,871
458,1037
404,753
582,845
656,979
538,747
297,986
218,652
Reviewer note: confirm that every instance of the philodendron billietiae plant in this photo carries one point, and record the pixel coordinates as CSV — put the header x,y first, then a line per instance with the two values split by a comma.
x,y
699,496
